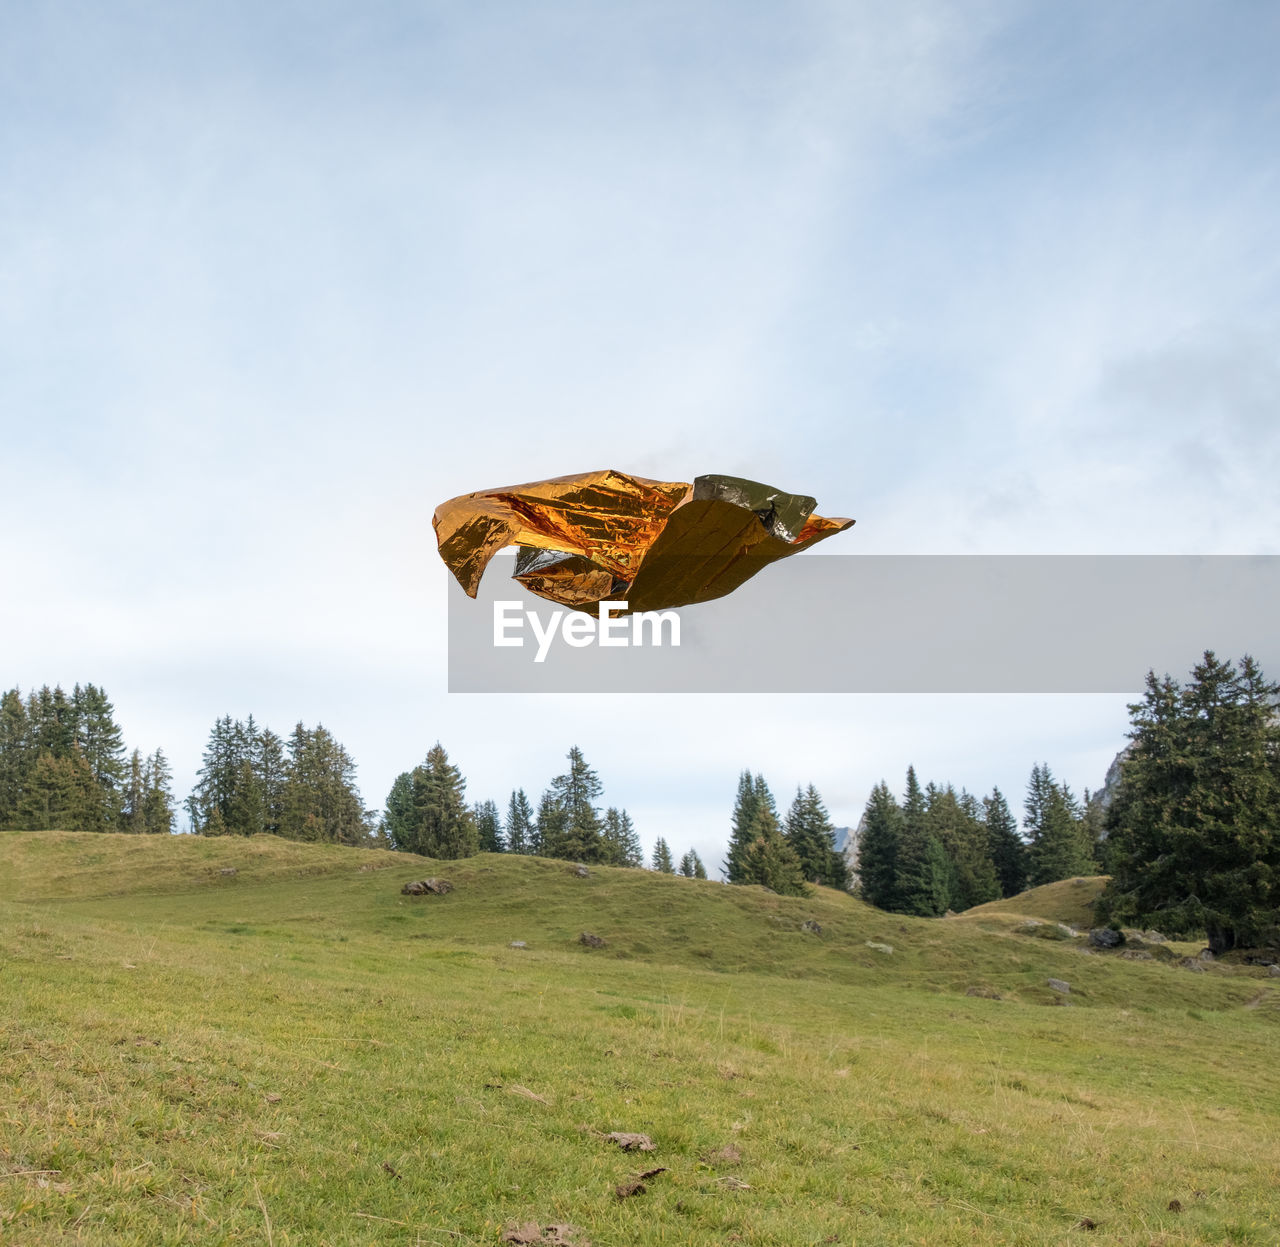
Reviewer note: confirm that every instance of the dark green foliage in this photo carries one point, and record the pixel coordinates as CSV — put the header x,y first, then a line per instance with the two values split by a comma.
x,y
879,840
47,747
577,832
520,829
319,799
769,860
1059,841
621,842
146,799
548,827
662,857
488,826
813,840
60,794
427,811
1194,831
691,866
954,822
753,799
1005,846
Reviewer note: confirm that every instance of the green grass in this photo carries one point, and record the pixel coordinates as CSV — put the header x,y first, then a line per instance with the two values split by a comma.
x,y
297,1054
1069,901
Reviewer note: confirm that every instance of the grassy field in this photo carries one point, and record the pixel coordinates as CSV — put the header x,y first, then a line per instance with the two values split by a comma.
x,y
296,1054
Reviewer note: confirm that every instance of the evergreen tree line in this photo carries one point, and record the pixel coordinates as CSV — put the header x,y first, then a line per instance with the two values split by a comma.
x,y
784,856
427,812
939,850
253,781
63,765
1193,831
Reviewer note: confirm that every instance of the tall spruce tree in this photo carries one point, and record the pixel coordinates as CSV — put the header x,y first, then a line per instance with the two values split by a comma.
x,y
879,841
813,840
768,860
662,857
16,757
60,795
1004,845
621,843
427,811
548,826
319,800
953,821
691,866
575,792
753,798
520,831
1194,831
924,872
488,826
1055,827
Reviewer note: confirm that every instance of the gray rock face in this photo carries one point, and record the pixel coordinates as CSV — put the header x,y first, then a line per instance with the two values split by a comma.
x,y
812,926
1154,937
427,887
581,871
1274,971
1059,986
1105,937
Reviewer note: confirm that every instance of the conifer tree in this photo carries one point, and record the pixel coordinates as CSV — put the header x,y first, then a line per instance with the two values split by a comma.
x,y
924,872
769,860
427,811
575,792
691,866
1055,828
753,797
488,826
15,755
813,840
99,739
1194,831
157,795
953,821
621,843
1004,845
548,826
319,800
60,795
133,797
662,858
520,832
878,845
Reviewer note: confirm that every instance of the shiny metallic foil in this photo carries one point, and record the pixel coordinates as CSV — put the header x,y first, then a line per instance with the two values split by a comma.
x,y
608,535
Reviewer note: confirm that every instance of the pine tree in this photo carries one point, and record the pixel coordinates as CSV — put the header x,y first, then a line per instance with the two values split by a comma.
x,y
427,812
520,832
953,821
1055,828
319,800
16,758
662,858
769,860
924,872
753,797
1005,846
878,846
488,826
691,866
621,843
575,792
813,840
1194,831
548,826
99,739
157,796
133,797
60,795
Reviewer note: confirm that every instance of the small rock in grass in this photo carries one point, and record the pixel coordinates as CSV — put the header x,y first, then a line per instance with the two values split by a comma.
x,y
1105,937
1274,971
1175,1205
227,870
629,1142
887,949
427,887
812,926
517,944
590,941
581,871
1059,985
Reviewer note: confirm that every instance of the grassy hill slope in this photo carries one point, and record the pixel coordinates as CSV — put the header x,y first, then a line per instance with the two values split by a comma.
x,y
1070,901
297,1054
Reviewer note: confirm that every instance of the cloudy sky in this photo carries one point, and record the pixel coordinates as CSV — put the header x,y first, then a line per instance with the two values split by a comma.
x,y
277,279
